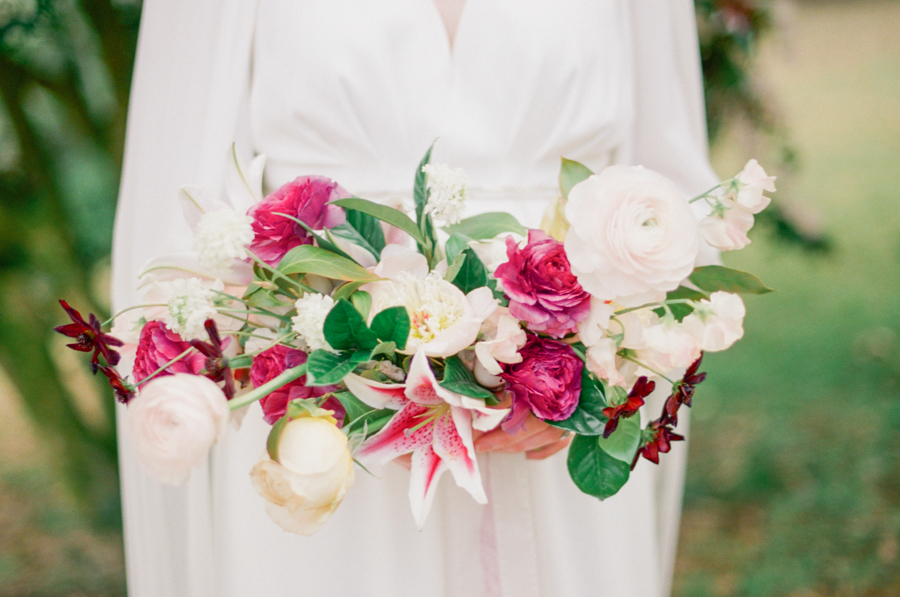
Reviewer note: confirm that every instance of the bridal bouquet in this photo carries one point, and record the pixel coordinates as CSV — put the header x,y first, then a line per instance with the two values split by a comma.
x,y
366,333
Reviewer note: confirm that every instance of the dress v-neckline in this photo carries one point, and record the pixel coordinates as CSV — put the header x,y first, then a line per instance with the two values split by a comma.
x,y
450,44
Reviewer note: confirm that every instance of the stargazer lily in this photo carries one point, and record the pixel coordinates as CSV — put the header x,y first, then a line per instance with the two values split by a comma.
x,y
432,423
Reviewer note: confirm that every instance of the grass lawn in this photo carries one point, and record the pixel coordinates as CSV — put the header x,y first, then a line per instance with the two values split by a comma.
x,y
794,478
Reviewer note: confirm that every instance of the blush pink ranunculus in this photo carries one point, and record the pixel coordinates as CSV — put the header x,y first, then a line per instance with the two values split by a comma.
x,y
541,287
157,346
270,364
307,199
547,382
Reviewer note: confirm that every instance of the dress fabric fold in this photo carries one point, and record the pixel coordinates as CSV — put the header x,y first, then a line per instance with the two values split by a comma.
x,y
357,91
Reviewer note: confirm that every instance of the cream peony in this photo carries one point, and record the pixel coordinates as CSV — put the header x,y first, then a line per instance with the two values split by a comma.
x,y
174,421
718,322
307,482
632,231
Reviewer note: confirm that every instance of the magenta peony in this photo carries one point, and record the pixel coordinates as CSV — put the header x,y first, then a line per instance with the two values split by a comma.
x,y
306,199
547,382
157,346
540,285
272,363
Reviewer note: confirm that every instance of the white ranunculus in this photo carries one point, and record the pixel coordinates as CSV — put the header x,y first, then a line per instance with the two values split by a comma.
x,y
753,181
632,231
447,192
309,323
174,421
728,231
718,322
221,237
601,361
306,484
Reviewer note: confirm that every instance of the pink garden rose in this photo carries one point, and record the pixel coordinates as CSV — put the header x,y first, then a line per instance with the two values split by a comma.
x,y
270,364
547,382
306,199
541,287
157,346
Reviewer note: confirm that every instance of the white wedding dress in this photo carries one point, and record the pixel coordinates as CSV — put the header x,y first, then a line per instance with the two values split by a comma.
x,y
357,91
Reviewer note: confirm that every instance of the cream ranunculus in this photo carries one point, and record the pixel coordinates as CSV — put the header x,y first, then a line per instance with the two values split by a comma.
x,y
313,471
632,231
174,421
718,322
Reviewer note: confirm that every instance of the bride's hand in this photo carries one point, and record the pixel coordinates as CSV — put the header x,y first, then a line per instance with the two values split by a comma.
x,y
537,439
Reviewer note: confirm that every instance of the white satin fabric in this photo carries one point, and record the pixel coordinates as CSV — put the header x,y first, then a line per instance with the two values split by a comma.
x,y
357,91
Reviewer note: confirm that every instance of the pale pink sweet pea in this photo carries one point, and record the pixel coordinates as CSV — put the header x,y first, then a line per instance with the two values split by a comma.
x,y
593,327
728,231
174,421
717,323
668,347
433,424
601,361
754,181
502,337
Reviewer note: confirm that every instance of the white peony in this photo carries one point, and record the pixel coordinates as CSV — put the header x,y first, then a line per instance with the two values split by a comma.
x,y
447,192
309,323
222,236
753,180
632,231
174,420
313,471
718,322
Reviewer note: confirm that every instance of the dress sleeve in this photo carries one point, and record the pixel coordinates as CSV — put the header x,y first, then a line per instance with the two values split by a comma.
x,y
669,136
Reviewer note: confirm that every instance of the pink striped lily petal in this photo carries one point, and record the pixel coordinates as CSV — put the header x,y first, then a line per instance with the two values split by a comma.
x,y
453,444
376,394
396,439
427,468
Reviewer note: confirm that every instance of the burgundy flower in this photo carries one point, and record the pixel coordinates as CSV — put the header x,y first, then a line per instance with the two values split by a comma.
x,y
216,364
547,382
541,287
270,364
123,391
305,199
683,392
89,337
642,388
659,442
157,346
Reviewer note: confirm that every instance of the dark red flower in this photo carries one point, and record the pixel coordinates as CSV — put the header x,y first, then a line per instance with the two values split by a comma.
x,y
89,337
273,362
642,388
216,365
659,442
683,392
123,390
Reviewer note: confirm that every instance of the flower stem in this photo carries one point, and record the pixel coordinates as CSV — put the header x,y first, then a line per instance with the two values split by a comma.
x,y
267,388
132,308
706,194
654,305
277,273
627,358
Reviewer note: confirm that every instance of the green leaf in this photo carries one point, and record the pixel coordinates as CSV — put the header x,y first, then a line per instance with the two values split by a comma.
x,y
387,348
420,185
392,325
472,274
346,290
362,300
712,278
373,421
355,407
274,435
681,310
588,418
325,368
487,226
261,297
570,174
308,259
364,230
323,242
458,379
455,245
455,265
345,329
624,441
392,216
593,470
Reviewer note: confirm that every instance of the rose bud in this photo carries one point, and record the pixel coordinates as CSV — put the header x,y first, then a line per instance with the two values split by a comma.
x,y
174,421
311,471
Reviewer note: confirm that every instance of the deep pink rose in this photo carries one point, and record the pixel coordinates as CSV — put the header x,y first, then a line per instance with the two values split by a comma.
x,y
306,199
547,382
270,364
540,285
157,346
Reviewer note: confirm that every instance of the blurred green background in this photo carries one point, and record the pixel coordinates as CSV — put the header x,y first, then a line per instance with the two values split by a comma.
x,y
794,479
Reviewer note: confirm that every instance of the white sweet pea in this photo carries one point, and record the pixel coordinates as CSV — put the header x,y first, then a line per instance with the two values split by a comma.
x,y
492,252
447,192
443,320
601,361
753,181
313,472
727,231
221,237
593,328
718,322
502,337
632,231
174,421
668,346
309,323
